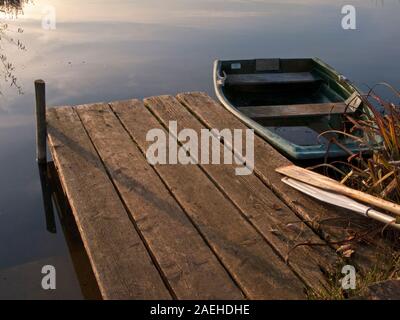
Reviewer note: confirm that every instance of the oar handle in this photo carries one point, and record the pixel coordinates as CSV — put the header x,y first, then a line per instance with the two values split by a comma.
x,y
384,218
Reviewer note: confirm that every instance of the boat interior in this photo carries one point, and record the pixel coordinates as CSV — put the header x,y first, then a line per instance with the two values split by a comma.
x,y
287,95
270,82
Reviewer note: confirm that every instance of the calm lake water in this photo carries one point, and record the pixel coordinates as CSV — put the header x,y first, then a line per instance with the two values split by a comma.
x,y
113,50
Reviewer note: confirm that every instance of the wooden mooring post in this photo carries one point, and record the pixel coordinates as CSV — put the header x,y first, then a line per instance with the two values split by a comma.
x,y
41,130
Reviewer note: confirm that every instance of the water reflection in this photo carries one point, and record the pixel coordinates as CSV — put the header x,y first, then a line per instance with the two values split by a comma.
x,y
47,200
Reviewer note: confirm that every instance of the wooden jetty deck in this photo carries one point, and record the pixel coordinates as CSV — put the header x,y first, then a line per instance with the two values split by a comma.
x,y
189,231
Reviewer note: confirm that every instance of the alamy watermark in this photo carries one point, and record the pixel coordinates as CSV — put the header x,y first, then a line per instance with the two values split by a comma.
x,y
349,20
187,147
49,280
348,282
49,18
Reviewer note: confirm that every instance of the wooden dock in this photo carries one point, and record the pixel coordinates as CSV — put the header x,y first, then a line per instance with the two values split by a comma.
x,y
190,231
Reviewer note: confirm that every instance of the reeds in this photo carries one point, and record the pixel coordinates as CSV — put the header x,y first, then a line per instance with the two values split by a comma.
x,y
376,169
11,8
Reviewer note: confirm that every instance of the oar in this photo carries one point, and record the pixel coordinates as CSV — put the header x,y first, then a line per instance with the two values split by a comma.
x,y
341,201
323,182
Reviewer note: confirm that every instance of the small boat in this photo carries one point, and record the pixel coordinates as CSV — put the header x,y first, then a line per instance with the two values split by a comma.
x,y
290,102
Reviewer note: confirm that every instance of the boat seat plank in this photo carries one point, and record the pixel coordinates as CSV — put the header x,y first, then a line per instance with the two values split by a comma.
x,y
296,110
270,78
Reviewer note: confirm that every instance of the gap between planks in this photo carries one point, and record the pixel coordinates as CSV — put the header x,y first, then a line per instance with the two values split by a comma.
x,y
240,206
236,242
189,266
267,159
280,227
113,246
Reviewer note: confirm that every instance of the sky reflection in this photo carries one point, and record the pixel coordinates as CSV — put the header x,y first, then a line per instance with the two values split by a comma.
x,y
104,50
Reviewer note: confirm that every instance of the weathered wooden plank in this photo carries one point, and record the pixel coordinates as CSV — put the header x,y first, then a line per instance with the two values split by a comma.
x,y
189,265
270,216
296,110
120,261
267,65
331,223
83,269
270,78
259,272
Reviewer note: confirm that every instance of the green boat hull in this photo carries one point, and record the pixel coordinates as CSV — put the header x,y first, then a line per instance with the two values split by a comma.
x,y
241,85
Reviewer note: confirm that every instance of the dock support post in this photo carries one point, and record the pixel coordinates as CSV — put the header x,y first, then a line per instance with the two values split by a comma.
x,y
41,130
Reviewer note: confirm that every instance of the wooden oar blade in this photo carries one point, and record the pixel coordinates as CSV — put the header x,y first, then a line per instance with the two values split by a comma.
x,y
340,201
326,196
323,182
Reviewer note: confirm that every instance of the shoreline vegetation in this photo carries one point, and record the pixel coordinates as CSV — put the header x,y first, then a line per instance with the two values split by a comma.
x,y
375,172
10,9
